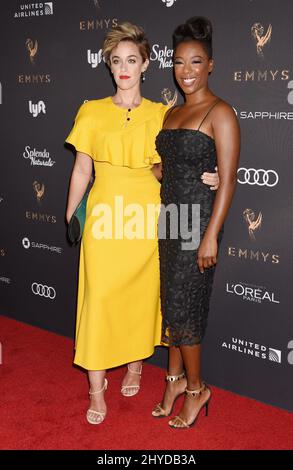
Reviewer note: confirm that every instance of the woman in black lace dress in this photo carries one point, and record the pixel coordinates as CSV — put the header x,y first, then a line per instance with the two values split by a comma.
x,y
196,136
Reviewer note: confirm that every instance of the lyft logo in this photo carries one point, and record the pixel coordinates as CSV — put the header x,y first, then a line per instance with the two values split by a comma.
x,y
36,109
94,58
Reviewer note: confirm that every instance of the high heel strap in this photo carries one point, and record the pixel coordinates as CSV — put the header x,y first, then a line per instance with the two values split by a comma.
x,y
174,378
195,393
102,389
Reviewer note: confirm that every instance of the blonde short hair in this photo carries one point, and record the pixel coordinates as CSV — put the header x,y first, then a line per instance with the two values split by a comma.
x,y
126,32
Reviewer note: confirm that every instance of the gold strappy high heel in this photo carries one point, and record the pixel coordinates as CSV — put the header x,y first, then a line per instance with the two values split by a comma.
x,y
93,416
159,411
192,393
131,390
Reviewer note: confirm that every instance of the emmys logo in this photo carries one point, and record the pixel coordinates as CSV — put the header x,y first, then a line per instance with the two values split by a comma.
x,y
261,38
253,222
251,255
32,49
168,98
257,32
39,190
100,23
94,58
36,109
39,217
169,3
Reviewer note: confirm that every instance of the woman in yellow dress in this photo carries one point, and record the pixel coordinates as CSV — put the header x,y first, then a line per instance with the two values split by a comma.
x,y
118,307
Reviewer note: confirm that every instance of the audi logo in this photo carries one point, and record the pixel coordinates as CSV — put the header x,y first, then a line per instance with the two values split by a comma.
x,y
259,177
43,291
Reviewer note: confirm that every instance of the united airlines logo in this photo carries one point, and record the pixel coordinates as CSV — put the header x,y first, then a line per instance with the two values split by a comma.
x,y
261,37
252,350
275,355
36,108
29,10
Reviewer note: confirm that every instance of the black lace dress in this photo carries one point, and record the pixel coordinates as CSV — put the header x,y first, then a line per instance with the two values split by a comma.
x,y
185,292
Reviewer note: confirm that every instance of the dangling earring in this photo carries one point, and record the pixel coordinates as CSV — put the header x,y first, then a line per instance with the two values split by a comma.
x,y
143,77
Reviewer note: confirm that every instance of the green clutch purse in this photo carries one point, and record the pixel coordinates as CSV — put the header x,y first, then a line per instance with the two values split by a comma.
x,y
76,223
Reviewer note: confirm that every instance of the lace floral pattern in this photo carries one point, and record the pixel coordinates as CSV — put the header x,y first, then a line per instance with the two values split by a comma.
x,y
185,292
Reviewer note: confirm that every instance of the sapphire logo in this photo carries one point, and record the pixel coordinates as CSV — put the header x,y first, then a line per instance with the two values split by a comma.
x,y
169,3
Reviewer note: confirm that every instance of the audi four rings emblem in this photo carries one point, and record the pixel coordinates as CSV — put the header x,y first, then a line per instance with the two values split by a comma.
x,y
260,177
43,291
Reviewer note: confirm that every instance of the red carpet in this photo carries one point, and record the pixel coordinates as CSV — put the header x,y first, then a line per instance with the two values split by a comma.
x,y
44,400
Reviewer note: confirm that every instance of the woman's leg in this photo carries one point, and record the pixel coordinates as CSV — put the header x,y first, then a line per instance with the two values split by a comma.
x,y
192,403
98,384
131,381
176,383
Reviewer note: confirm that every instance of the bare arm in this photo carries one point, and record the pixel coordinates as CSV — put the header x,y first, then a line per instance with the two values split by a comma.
x,y
157,170
210,179
80,178
227,139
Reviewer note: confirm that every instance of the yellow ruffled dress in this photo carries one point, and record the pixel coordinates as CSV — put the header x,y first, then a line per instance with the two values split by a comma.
x,y
118,308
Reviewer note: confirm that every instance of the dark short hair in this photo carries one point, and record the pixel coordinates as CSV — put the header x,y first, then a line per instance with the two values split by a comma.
x,y
196,28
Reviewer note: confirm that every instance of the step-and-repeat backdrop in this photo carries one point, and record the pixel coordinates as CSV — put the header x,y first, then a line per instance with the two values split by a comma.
x,y
51,62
